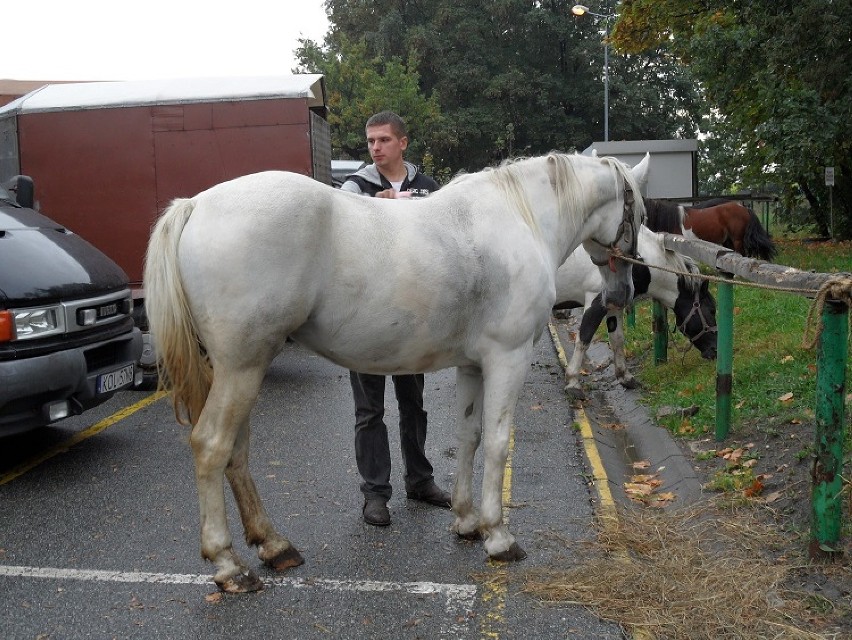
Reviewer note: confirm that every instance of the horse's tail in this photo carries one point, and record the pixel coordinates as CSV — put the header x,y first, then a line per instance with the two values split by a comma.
x,y
663,216
182,364
757,243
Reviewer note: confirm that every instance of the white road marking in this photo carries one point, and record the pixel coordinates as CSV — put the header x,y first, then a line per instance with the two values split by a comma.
x,y
460,598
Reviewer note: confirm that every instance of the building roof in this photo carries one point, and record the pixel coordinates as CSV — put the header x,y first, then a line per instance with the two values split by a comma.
x,y
93,95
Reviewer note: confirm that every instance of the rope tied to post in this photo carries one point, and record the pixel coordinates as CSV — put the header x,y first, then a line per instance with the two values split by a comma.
x,y
837,289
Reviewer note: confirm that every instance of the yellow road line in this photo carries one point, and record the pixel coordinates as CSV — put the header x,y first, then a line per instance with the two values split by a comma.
x,y
65,445
609,514
601,480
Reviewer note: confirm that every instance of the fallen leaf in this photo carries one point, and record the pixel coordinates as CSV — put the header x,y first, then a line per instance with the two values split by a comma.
x,y
637,488
748,464
786,397
213,598
733,455
641,464
614,426
652,481
755,489
786,359
772,497
536,407
658,501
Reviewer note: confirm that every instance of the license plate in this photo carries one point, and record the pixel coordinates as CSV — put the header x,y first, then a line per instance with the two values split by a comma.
x,y
114,380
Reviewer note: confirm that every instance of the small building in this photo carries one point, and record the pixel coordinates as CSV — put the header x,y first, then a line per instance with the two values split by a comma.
x,y
673,171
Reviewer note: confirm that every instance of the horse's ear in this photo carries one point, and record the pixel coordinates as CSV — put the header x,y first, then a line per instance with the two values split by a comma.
x,y
640,171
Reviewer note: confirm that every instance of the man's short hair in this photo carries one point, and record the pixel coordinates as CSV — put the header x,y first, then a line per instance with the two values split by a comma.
x,y
396,123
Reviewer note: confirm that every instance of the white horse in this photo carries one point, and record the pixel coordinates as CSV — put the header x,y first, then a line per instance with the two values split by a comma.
x,y
464,278
578,284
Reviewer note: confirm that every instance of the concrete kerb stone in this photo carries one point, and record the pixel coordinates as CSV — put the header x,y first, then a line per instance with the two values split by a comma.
x,y
637,436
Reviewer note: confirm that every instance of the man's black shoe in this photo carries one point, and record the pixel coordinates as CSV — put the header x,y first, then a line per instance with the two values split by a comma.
x,y
376,512
432,494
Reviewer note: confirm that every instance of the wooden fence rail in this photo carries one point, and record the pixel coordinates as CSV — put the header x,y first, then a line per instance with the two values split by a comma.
x,y
832,354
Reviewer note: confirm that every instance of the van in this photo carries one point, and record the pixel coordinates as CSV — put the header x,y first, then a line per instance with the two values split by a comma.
x,y
67,336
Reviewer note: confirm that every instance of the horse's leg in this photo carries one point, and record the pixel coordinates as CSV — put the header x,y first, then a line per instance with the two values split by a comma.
x,y
615,329
225,414
572,374
469,433
735,231
503,380
272,548
592,317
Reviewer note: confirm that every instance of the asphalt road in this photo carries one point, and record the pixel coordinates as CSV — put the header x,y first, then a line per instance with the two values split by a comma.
x,y
99,539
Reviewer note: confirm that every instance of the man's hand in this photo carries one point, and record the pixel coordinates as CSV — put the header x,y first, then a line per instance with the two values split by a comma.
x,y
387,193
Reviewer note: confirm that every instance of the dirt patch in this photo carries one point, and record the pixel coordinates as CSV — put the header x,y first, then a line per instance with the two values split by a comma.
x,y
767,472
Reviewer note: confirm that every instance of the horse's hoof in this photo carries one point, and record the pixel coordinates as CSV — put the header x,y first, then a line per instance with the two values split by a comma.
x,y
512,554
244,582
476,534
575,393
287,559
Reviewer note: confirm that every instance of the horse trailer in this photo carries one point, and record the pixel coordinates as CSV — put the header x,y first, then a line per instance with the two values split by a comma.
x,y
107,157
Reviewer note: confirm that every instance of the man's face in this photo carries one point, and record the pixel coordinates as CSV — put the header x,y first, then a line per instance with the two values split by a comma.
x,y
385,147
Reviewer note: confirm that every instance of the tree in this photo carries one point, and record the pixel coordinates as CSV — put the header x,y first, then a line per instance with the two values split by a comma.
x,y
511,77
777,73
359,86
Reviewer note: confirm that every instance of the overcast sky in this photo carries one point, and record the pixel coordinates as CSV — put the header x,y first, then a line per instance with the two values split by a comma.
x,y
149,39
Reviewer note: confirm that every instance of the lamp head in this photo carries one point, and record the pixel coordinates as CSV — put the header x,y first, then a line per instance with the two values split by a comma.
x,y
579,10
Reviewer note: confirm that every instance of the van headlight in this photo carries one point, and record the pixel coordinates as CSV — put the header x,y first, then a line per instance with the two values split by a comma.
x,y
30,323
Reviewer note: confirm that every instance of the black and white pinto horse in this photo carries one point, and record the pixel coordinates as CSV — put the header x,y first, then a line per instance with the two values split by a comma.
x,y
578,284
464,278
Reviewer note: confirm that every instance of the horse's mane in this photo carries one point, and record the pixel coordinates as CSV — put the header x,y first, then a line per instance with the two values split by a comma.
x,y
570,192
664,216
678,262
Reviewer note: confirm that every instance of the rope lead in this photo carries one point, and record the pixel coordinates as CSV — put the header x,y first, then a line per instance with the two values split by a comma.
x,y
838,289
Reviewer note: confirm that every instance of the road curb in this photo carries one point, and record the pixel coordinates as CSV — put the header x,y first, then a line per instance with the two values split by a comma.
x,y
637,436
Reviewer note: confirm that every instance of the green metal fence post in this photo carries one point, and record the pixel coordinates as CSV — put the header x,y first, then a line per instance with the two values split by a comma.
x,y
661,332
826,500
724,357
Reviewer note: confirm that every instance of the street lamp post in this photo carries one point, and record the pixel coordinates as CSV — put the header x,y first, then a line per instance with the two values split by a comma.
x,y
581,10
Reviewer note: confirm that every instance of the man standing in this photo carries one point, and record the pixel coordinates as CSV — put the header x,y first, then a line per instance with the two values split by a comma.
x,y
389,175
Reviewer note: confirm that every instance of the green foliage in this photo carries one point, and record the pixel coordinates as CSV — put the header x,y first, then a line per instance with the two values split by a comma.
x,y
360,85
776,75
501,78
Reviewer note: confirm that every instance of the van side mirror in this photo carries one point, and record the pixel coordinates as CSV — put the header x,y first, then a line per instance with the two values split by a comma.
x,y
23,189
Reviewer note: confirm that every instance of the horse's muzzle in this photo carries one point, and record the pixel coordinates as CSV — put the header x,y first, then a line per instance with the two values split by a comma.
x,y
618,297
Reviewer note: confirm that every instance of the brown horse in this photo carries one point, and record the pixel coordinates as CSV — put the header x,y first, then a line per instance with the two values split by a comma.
x,y
721,221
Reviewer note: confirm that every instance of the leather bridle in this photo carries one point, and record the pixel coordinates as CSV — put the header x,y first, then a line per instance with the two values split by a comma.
x,y
696,310
627,226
